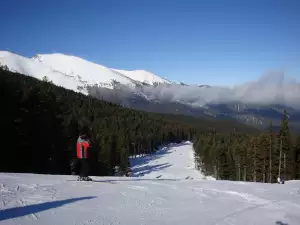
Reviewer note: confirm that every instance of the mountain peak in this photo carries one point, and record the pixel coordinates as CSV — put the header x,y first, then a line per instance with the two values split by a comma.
x,y
142,76
73,65
76,68
58,56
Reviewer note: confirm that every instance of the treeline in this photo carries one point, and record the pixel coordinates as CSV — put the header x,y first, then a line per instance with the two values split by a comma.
x,y
40,124
244,157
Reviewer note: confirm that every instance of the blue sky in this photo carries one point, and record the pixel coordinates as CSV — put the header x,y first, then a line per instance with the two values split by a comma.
x,y
204,42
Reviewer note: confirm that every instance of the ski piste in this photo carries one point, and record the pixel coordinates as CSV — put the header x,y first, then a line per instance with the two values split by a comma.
x,y
157,193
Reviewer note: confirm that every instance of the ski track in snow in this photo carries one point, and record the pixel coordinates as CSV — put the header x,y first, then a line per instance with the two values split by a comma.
x,y
30,199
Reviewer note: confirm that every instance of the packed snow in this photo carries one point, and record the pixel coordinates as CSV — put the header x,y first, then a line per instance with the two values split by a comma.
x,y
168,163
29,199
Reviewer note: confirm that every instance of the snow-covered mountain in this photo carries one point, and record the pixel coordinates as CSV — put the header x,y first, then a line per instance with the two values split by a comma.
x,y
254,103
95,73
26,66
168,191
81,69
143,76
75,73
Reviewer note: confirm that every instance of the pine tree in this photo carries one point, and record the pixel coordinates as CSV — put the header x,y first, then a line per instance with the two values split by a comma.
x,y
270,155
264,148
285,150
297,158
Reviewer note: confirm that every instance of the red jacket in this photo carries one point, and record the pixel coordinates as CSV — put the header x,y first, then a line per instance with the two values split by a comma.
x,y
82,147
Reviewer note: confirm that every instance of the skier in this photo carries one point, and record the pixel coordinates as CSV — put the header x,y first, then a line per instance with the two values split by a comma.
x,y
281,180
83,144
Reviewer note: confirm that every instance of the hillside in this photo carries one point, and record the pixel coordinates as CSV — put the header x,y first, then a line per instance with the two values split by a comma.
x,y
29,199
90,73
194,101
39,115
254,103
74,73
26,66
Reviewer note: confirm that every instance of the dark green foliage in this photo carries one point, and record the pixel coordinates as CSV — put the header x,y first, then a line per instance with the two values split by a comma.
x,y
40,123
250,157
297,157
285,141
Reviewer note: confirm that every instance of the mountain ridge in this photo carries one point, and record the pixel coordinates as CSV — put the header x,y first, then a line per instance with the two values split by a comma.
x,y
82,71
144,90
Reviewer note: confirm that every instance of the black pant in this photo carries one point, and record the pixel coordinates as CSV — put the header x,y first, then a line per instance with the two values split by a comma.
x,y
84,167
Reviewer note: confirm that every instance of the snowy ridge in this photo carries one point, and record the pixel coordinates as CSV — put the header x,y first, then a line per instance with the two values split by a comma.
x,y
143,76
26,66
29,199
72,72
90,72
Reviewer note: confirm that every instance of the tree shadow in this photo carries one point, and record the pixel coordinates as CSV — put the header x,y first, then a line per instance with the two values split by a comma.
x,y
30,209
135,179
146,169
147,158
281,223
144,160
156,155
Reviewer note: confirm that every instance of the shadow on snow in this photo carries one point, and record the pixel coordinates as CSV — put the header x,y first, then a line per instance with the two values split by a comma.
x,y
146,159
30,209
281,223
154,156
114,181
146,169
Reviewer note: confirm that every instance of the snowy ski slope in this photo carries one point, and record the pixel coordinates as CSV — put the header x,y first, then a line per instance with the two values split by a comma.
x,y
175,161
29,199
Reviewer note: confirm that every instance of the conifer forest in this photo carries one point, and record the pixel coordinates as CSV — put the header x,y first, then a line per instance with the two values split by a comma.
x,y
262,157
40,124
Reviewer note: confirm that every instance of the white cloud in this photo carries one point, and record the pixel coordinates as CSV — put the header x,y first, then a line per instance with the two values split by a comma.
x,y
271,88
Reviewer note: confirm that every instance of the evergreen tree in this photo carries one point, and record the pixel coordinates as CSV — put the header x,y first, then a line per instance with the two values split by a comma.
x,y
285,149
297,158
271,171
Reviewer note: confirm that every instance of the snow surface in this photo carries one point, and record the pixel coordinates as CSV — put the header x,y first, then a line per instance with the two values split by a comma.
x,y
87,71
29,67
29,199
143,76
175,161
71,71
